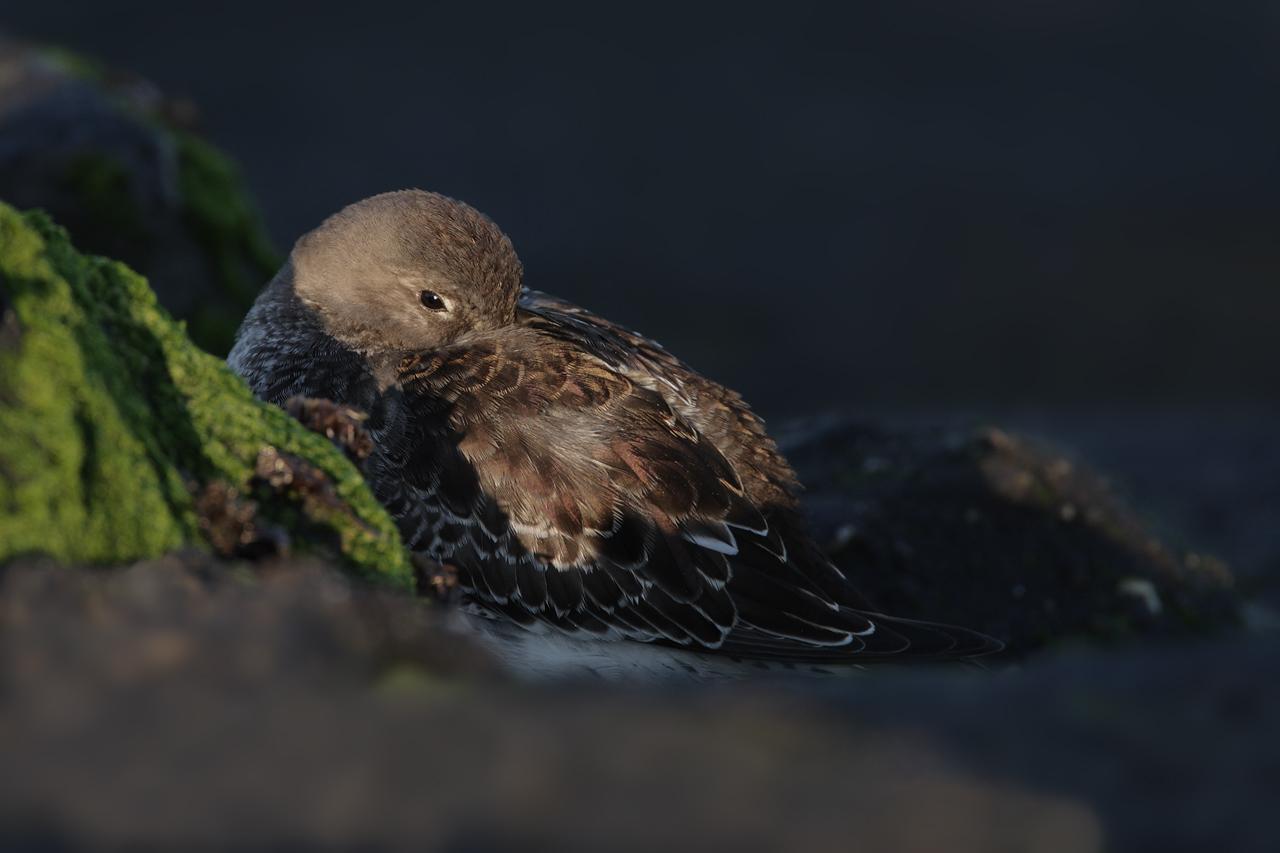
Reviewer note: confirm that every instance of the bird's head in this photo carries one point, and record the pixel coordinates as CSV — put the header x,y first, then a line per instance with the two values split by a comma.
x,y
408,270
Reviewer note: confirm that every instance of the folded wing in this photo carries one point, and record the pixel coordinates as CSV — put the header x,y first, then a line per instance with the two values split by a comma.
x,y
572,496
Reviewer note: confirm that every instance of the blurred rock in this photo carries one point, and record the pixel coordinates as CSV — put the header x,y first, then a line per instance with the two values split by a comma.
x,y
264,694
996,532
187,700
123,168
1209,479
229,625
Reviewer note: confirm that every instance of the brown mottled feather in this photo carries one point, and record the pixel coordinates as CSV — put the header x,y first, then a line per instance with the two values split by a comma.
x,y
717,412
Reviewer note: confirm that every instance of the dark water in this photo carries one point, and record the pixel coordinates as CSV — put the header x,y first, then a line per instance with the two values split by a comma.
x,y
904,205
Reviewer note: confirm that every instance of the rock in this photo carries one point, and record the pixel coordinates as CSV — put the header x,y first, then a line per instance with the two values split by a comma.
x,y
122,167
995,532
194,616
173,703
124,441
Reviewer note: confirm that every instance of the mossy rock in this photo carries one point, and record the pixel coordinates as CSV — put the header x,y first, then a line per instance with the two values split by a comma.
x,y
126,171
222,217
117,427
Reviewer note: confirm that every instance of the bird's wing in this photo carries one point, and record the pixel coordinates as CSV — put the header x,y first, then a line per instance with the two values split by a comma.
x,y
719,413
569,494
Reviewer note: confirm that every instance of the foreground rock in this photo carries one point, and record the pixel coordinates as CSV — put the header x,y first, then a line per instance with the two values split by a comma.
x,y
123,440
122,166
996,532
176,702
72,631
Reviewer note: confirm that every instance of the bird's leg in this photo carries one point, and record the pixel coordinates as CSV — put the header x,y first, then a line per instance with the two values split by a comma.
x,y
342,425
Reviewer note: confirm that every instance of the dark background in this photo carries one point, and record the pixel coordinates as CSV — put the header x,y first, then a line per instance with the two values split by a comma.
x,y
898,206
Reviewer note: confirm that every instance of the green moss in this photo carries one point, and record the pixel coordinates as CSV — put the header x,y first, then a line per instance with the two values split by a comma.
x,y
102,187
74,64
227,225
111,418
216,208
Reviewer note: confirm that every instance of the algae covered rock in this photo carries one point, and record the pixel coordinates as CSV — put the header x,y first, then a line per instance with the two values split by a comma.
x,y
1001,533
124,169
123,440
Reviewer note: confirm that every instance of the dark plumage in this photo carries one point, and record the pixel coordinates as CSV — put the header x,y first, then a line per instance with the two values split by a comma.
x,y
576,474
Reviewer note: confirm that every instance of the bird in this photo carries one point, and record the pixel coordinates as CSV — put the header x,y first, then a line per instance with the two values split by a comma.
x,y
607,509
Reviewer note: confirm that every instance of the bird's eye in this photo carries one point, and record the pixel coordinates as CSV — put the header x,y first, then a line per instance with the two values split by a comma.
x,y
430,299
